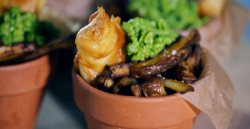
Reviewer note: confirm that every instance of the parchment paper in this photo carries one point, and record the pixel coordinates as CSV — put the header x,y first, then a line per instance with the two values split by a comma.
x,y
223,34
214,92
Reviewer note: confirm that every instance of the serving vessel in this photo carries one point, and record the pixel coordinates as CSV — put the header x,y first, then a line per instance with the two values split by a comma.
x,y
21,88
110,111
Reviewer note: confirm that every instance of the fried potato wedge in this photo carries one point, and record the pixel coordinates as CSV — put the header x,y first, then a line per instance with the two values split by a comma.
x,y
136,89
177,86
49,48
14,51
125,81
105,81
153,88
183,73
159,67
185,52
10,58
194,60
120,70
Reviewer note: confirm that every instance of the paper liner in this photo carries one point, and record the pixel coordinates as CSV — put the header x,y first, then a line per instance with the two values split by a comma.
x,y
223,34
214,92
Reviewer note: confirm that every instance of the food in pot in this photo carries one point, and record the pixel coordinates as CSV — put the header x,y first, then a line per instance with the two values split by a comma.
x,y
171,69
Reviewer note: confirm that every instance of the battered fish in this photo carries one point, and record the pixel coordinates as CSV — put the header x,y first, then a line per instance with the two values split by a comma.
x,y
99,43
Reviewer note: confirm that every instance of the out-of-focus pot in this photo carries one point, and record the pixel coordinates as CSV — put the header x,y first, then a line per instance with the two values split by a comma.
x,y
21,89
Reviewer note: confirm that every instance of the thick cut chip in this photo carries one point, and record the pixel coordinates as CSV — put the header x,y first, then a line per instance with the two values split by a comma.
x,y
125,81
153,88
177,86
159,67
136,89
120,70
194,60
105,81
14,51
183,73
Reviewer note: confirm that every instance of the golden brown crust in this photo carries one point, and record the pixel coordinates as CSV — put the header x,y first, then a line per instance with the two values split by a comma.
x,y
100,43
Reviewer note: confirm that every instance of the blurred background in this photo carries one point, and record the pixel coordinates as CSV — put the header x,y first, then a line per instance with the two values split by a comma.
x,y
246,4
58,110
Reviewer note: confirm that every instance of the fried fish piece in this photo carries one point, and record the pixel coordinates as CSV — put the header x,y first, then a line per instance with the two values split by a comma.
x,y
100,43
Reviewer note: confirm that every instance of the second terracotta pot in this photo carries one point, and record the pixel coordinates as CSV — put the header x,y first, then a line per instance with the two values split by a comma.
x,y
21,88
109,111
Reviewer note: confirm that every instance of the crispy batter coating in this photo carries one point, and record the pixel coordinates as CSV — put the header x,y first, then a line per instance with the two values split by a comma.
x,y
99,43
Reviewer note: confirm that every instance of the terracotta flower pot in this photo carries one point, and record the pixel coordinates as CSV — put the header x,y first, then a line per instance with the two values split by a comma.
x,y
109,111
21,88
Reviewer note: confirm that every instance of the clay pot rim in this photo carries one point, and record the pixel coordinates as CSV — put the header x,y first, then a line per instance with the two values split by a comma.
x,y
23,64
121,97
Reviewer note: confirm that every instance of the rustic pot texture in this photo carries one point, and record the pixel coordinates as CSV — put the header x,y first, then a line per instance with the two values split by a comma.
x,y
109,111
21,89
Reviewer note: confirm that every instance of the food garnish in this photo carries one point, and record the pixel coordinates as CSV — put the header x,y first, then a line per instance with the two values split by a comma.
x,y
147,38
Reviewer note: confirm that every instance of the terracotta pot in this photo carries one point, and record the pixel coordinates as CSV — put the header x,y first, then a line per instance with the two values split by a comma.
x,y
109,111
21,88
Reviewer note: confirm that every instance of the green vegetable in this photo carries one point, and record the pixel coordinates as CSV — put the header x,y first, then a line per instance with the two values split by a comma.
x,y
180,14
147,38
17,27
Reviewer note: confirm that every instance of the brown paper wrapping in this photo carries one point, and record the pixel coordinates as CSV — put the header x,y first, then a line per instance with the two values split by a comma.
x,y
222,35
214,92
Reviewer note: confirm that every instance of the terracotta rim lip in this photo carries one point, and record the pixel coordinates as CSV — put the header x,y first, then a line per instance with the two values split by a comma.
x,y
120,97
22,65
